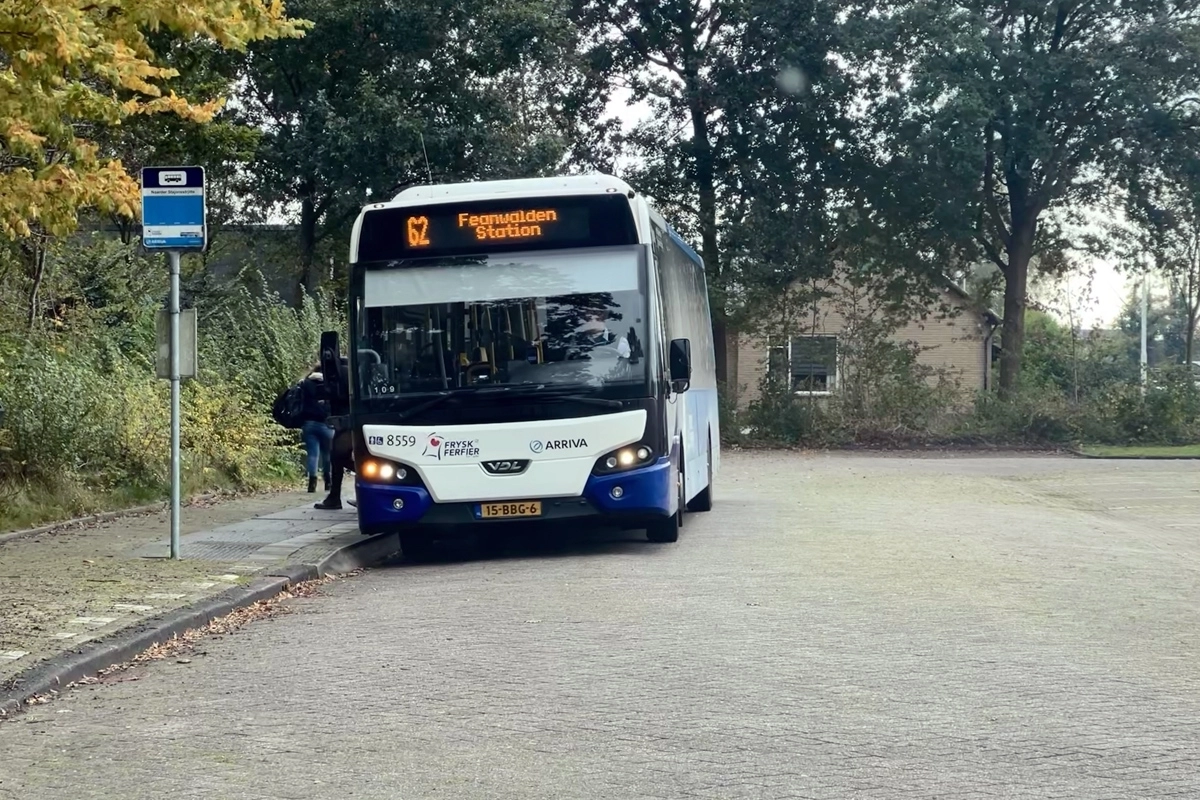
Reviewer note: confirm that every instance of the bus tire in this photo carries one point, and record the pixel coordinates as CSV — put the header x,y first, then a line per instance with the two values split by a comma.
x,y
704,500
416,546
665,530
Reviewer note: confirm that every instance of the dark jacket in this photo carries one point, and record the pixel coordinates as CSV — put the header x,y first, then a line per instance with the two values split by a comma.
x,y
337,392
316,402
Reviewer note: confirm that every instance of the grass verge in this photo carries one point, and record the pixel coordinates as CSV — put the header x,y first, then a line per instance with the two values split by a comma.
x,y
1141,451
30,504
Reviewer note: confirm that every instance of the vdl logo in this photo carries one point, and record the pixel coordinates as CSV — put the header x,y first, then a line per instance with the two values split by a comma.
x,y
512,467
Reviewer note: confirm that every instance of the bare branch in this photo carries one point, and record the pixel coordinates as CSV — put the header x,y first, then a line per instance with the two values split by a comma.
x,y
994,255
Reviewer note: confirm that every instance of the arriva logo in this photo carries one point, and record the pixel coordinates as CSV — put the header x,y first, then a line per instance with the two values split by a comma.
x,y
539,446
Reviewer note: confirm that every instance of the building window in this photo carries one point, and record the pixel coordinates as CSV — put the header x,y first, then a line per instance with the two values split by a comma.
x,y
814,363
808,363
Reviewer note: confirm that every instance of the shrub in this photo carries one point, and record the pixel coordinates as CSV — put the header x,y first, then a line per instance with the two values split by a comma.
x,y
780,416
1034,415
261,343
887,393
59,415
85,410
1166,414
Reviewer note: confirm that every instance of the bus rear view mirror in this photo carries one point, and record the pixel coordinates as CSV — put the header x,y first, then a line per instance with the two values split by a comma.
x,y
681,365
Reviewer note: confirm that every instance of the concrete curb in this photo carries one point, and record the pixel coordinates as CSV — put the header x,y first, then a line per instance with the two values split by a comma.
x,y
58,672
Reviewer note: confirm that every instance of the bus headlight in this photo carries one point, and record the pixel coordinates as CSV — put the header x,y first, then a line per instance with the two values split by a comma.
x,y
378,470
632,457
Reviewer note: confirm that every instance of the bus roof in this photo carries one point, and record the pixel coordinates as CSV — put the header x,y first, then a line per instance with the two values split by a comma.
x,y
531,187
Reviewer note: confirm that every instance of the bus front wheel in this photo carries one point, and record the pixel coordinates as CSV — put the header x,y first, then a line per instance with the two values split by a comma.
x,y
666,529
704,500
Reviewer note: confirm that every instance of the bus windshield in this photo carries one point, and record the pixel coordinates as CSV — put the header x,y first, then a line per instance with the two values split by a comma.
x,y
549,320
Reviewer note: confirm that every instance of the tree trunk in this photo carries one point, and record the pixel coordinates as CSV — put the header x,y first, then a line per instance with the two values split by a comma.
x,y
1016,280
707,190
310,275
34,251
1190,337
1192,303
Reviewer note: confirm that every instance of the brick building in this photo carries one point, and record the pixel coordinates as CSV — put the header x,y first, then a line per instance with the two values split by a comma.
x,y
954,335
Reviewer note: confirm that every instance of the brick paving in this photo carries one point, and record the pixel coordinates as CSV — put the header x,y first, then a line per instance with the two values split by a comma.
x,y
62,588
842,626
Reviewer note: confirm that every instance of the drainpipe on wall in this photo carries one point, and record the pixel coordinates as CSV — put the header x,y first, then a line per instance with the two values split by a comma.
x,y
987,355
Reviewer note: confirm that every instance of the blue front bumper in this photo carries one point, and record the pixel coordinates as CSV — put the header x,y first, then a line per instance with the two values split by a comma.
x,y
645,492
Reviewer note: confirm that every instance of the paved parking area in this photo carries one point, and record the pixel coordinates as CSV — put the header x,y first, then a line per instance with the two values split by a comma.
x,y
840,626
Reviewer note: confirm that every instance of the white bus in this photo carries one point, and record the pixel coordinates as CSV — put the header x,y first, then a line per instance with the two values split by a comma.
x,y
532,350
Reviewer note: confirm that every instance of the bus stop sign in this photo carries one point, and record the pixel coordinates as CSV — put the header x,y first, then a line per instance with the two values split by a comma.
x,y
173,213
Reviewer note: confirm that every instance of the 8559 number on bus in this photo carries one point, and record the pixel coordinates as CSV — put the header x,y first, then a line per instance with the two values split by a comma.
x,y
393,440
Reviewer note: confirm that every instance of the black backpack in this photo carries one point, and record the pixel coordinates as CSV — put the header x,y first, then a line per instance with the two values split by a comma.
x,y
288,409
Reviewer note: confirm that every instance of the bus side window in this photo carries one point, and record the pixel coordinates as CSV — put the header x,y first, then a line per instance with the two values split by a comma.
x,y
662,269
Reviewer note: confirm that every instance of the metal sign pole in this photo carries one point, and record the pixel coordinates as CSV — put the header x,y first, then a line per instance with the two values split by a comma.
x,y
174,219
173,256
1145,309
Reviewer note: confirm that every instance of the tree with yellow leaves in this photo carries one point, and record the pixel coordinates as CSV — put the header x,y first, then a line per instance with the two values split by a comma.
x,y
67,66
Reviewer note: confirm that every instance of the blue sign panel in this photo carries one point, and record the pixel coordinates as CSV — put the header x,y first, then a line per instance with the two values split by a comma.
x,y
173,208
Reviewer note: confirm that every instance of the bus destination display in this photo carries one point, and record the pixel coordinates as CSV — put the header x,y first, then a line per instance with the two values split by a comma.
x,y
469,228
429,229
531,224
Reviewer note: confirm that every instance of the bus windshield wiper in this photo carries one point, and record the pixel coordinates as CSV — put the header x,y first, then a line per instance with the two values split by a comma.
x,y
543,392
570,393
437,398
440,398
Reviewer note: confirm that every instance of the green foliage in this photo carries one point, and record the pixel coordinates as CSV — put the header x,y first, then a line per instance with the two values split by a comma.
x,y
1162,203
59,415
350,112
1059,359
1075,389
1166,327
258,342
780,416
1165,414
993,114
748,142
87,418
1031,416
888,393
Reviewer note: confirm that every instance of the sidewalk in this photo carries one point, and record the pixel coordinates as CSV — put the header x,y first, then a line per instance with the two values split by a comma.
x,y
59,589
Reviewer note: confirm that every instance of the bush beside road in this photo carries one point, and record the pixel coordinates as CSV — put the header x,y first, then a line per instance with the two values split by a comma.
x,y
86,424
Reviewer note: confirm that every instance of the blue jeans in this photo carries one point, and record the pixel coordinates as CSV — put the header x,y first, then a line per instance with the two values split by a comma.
x,y
318,442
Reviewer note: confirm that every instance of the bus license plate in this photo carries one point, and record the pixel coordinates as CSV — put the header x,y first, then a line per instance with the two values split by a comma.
x,y
510,510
